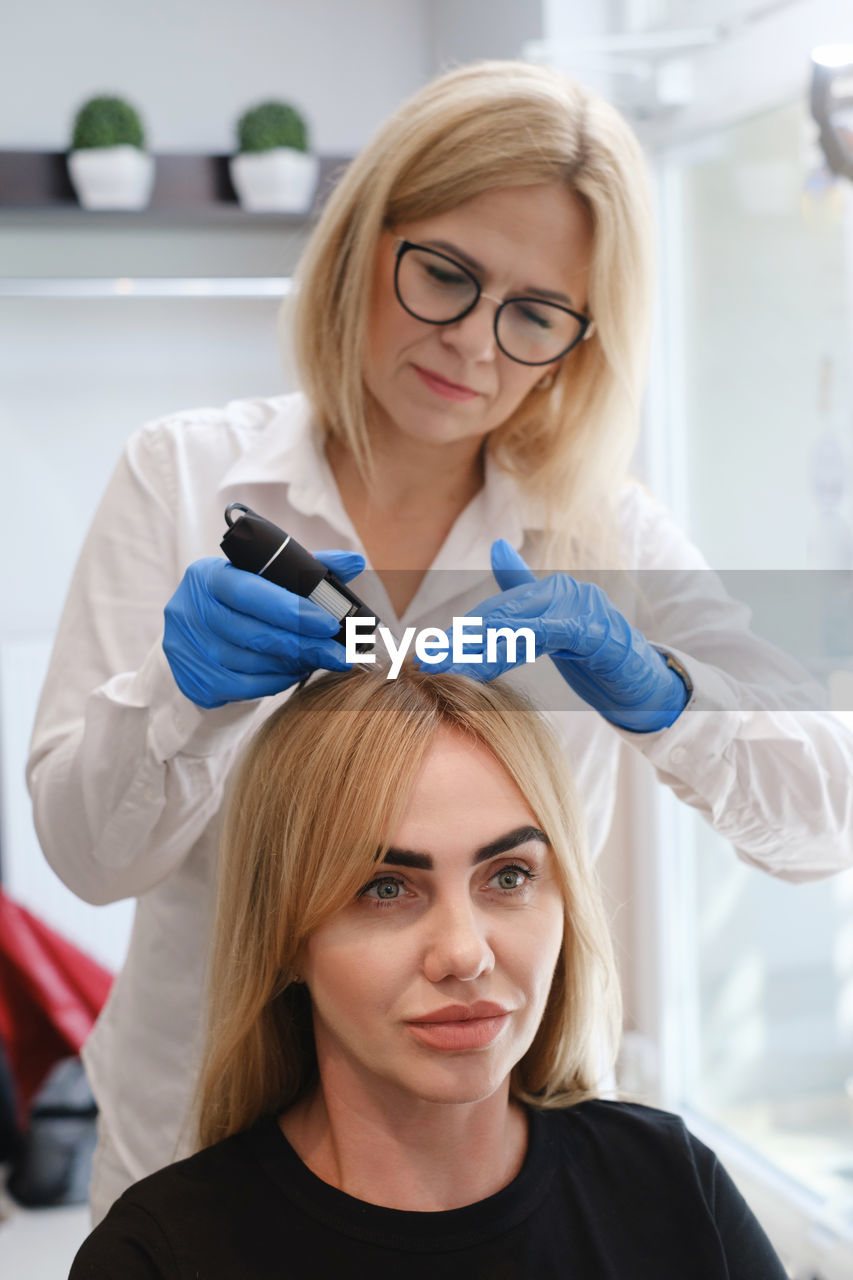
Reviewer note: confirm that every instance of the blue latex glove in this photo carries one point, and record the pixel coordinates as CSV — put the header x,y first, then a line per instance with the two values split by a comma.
x,y
606,661
231,635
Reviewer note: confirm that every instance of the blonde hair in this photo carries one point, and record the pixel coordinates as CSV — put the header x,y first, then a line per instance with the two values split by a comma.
x,y
321,789
474,129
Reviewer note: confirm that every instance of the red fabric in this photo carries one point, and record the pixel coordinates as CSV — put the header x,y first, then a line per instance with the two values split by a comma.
x,y
50,996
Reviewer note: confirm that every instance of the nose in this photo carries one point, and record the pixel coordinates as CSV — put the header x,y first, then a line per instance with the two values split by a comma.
x,y
456,944
473,337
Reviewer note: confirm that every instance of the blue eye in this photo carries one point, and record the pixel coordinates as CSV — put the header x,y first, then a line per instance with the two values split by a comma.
x,y
509,878
512,878
382,889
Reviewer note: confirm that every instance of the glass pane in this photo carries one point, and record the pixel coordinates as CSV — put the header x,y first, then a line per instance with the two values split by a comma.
x,y
763,280
772,1057
757,246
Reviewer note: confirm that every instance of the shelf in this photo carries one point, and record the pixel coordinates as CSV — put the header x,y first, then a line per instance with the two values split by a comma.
x,y
196,185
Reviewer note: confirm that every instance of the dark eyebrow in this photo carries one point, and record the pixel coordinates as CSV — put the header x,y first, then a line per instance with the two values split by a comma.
x,y
423,861
466,258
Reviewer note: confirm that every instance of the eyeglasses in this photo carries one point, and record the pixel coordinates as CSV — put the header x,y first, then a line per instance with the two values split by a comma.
x,y
438,290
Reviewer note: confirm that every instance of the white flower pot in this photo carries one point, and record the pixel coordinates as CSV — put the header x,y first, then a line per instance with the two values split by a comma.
x,y
281,180
112,177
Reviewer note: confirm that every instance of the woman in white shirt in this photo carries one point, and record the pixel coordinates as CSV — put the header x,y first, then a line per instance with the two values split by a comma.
x,y
471,330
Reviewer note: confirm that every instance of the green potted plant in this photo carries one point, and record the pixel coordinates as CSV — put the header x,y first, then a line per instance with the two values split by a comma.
x,y
273,169
107,163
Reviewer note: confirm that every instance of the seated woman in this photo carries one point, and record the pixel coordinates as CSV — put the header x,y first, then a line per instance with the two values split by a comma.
x,y
411,971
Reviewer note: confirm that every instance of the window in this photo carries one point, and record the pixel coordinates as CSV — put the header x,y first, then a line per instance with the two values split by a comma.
x,y
754,363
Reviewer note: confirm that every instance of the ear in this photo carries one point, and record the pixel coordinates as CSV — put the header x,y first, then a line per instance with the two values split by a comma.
x,y
296,971
546,382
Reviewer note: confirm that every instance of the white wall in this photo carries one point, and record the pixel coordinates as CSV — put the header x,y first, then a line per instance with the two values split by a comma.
x,y
191,66
462,30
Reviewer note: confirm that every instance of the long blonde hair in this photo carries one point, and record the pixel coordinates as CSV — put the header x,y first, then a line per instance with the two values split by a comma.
x,y
321,789
474,129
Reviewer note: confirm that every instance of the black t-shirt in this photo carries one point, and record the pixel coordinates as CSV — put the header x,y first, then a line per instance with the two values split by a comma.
x,y
607,1191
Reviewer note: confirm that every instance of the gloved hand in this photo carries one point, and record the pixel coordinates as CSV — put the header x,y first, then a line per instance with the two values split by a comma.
x,y
606,661
231,635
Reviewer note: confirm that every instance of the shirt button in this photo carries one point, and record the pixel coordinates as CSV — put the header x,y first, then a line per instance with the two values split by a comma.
x,y
678,755
150,794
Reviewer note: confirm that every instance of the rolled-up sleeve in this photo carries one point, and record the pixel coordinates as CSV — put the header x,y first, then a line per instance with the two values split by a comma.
x,y
755,750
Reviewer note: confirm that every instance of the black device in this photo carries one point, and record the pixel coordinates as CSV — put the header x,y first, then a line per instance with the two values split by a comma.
x,y
259,546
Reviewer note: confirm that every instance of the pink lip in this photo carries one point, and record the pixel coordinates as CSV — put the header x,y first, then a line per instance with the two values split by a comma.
x,y
463,1012
442,387
458,1027
456,1037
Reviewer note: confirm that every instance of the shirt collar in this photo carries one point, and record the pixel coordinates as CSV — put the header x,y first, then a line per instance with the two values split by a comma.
x,y
288,451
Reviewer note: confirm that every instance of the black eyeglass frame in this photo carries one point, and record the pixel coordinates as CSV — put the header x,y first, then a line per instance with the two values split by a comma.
x,y
586,323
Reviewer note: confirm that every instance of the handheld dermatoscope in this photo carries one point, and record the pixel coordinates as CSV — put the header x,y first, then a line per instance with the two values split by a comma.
x,y
259,546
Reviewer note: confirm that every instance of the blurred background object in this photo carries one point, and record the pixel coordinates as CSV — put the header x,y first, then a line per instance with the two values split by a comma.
x,y
108,163
832,104
274,171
